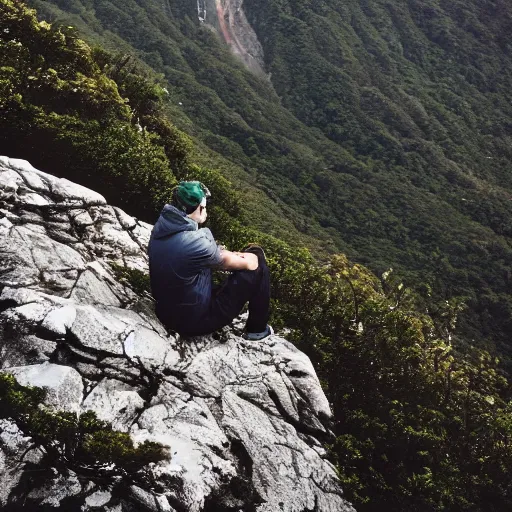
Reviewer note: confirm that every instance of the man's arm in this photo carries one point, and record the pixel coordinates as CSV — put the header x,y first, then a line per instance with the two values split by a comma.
x,y
238,260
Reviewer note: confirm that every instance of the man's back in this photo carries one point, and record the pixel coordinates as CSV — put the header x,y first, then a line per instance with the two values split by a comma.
x,y
181,257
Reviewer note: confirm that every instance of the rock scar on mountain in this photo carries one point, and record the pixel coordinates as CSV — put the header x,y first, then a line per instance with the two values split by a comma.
x,y
243,422
227,17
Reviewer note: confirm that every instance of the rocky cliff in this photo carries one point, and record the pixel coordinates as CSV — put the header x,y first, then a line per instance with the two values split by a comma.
x,y
227,17
243,422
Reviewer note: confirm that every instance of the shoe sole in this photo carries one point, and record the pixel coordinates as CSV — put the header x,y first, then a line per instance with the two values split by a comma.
x,y
271,333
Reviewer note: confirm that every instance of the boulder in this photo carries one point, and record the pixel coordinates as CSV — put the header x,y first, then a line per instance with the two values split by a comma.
x,y
63,384
115,402
242,423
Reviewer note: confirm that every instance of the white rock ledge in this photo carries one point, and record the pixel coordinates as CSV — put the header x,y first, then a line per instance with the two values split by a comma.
x,y
243,422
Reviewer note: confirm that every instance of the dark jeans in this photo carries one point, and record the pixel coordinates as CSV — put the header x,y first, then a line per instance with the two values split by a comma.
x,y
228,300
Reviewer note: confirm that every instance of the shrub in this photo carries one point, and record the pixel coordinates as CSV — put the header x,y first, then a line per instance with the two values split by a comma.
x,y
76,442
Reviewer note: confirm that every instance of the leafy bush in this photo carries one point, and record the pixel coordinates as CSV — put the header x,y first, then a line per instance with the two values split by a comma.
x,y
420,418
78,443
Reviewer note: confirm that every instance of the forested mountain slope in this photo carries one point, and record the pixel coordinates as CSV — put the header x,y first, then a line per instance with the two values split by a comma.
x,y
420,91
385,131
218,102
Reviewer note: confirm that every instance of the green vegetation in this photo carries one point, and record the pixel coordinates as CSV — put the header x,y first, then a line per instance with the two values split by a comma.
x,y
138,280
59,107
419,94
422,418
421,422
81,443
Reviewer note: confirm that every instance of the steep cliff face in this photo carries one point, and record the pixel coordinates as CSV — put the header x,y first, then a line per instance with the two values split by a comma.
x,y
228,19
243,422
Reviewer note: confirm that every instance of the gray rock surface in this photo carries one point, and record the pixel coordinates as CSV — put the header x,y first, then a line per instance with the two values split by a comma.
x,y
243,422
63,384
228,19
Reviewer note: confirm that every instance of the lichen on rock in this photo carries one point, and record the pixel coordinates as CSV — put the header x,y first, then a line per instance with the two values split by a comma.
x,y
244,422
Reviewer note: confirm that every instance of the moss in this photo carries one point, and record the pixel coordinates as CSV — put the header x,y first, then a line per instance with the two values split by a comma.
x,y
136,279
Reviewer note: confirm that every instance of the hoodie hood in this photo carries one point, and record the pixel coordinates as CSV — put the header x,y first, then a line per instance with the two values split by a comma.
x,y
172,221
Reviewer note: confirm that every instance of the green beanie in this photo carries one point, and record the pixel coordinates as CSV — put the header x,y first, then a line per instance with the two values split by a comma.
x,y
188,195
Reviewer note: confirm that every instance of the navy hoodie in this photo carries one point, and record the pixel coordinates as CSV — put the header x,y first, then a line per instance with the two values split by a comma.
x,y
181,257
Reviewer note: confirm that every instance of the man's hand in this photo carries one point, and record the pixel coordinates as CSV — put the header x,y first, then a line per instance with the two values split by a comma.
x,y
239,260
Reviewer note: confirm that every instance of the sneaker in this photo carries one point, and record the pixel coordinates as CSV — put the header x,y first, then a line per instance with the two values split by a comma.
x,y
257,336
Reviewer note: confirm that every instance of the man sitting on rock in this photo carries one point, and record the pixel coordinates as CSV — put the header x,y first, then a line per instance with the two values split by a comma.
x,y
181,259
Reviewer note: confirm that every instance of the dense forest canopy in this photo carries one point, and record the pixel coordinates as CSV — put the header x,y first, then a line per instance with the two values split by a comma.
x,y
420,92
422,418
385,132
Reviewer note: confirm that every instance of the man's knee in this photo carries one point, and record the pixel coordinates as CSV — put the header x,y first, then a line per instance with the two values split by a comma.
x,y
260,253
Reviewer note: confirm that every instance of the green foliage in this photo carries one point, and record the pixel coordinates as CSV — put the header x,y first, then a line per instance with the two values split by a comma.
x,y
102,445
79,443
411,90
92,116
418,419
138,280
383,135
